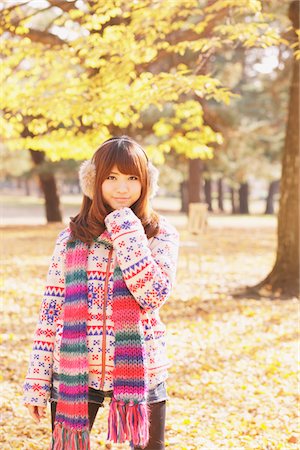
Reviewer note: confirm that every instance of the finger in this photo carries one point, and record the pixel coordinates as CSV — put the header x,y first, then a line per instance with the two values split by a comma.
x,y
33,412
41,411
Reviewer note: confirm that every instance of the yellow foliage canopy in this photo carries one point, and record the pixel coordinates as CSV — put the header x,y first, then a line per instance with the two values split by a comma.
x,y
74,73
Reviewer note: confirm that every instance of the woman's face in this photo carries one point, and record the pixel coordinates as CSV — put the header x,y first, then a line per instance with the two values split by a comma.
x,y
120,190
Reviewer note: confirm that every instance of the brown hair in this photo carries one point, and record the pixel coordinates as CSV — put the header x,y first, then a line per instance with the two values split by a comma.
x,y
130,158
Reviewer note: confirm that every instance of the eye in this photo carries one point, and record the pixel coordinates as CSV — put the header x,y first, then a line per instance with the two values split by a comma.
x,y
111,177
133,177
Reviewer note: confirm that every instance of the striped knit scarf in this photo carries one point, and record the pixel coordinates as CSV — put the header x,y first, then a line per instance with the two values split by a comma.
x,y
128,414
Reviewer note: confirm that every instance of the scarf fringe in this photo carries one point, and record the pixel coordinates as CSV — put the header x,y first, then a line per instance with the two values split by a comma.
x,y
128,421
66,439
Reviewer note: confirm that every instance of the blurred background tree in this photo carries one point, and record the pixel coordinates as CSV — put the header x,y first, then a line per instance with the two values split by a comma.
x,y
284,277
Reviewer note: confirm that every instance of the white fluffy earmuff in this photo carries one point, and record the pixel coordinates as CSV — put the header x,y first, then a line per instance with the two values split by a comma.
x,y
87,176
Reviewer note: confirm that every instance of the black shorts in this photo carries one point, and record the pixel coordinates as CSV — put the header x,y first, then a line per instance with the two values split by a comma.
x,y
155,395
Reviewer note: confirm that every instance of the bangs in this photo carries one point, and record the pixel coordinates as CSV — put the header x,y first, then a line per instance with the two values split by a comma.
x,y
128,159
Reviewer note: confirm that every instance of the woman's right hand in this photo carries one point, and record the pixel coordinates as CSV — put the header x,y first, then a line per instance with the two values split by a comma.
x,y
36,412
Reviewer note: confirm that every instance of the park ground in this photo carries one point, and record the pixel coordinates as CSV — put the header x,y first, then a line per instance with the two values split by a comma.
x,y
233,378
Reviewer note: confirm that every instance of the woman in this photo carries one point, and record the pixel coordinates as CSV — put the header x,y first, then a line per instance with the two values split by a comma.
x,y
99,332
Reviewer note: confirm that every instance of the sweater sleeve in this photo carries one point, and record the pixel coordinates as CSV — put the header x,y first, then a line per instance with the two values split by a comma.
x,y
148,268
36,388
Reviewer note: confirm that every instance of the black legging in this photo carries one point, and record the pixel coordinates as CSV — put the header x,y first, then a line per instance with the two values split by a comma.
x,y
157,423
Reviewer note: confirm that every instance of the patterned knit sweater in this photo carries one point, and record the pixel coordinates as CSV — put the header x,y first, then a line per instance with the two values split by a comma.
x,y
148,267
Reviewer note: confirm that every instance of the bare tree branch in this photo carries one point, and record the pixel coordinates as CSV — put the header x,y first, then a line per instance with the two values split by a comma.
x,y
17,22
64,6
44,37
11,8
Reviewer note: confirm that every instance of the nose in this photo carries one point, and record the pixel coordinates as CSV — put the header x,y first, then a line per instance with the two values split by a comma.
x,y
122,186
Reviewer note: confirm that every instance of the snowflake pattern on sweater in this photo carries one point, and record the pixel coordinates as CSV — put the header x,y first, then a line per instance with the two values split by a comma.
x,y
149,268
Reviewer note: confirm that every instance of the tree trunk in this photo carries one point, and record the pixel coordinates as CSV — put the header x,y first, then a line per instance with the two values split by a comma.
x,y
243,198
184,196
48,186
220,194
284,277
208,195
195,180
234,208
27,186
273,189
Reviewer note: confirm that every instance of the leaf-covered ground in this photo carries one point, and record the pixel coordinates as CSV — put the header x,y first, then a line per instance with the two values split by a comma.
x,y
233,380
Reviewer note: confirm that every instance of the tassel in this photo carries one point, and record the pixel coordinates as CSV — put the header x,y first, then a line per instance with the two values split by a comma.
x,y
112,434
122,425
138,422
128,421
66,439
